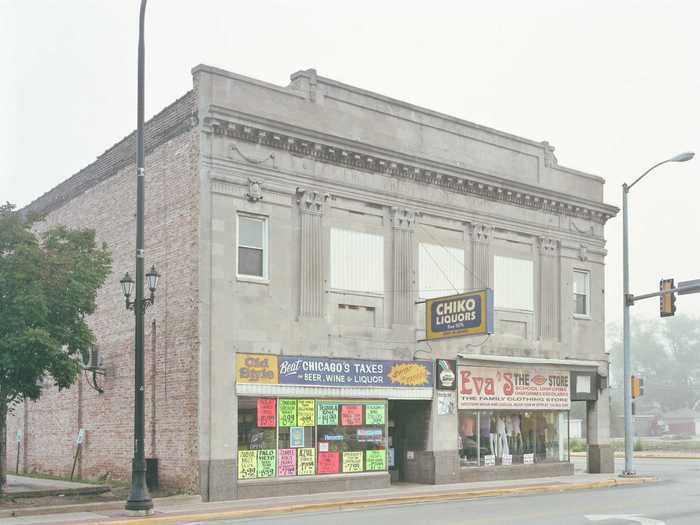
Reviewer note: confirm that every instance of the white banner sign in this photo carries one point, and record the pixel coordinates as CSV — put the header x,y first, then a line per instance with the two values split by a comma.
x,y
506,388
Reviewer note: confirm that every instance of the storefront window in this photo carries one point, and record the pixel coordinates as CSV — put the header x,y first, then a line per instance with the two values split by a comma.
x,y
300,437
490,438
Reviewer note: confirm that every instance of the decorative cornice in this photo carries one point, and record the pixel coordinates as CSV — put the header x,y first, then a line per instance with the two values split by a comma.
x,y
362,161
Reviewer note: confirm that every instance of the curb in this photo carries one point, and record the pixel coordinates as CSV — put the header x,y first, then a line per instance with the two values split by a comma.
x,y
373,502
640,455
41,493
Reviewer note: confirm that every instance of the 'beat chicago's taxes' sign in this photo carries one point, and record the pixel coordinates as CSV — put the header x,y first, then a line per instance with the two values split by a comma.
x,y
469,313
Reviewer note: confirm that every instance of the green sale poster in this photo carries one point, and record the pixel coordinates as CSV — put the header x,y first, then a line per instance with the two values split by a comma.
x,y
327,413
266,463
374,414
375,460
287,413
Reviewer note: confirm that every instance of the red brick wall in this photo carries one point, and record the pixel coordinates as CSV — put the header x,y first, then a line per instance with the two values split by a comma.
x,y
171,242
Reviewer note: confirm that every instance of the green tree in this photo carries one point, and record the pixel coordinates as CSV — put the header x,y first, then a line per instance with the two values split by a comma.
x,y
48,285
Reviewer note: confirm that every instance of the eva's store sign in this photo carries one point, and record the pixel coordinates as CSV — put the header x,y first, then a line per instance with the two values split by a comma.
x,y
484,388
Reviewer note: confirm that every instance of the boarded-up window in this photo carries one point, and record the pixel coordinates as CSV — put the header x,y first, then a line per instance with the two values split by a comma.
x,y
513,285
440,270
357,261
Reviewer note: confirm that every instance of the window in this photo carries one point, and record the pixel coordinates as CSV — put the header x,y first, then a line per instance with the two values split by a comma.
x,y
440,270
281,437
582,292
506,438
513,284
357,261
252,246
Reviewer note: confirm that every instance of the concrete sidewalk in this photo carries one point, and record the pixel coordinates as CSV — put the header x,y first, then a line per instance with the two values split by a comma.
x,y
27,487
188,509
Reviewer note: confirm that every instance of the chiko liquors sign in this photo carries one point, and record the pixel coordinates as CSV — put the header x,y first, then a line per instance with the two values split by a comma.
x,y
485,388
456,315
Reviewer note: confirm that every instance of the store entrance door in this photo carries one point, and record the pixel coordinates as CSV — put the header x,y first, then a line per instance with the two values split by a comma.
x,y
408,420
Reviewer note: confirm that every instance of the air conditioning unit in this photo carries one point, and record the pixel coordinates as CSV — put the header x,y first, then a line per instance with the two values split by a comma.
x,y
92,361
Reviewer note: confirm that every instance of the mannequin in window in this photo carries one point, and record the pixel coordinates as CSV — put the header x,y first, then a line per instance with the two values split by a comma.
x,y
502,437
517,434
509,431
493,441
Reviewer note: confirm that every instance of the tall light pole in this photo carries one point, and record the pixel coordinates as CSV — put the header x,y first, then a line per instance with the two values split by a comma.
x,y
627,301
139,501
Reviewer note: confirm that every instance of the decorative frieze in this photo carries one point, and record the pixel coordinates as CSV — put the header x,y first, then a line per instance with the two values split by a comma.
x,y
361,161
254,190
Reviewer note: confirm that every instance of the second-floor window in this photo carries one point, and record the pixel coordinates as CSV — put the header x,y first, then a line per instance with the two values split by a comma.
x,y
252,247
513,283
440,270
582,292
357,261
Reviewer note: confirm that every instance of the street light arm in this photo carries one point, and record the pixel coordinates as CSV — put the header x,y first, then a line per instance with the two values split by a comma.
x,y
645,173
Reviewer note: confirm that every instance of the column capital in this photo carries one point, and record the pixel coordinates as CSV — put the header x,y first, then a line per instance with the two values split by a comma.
x,y
481,232
311,201
403,218
548,246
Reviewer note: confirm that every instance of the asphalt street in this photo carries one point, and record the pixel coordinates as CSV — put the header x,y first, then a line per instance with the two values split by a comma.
x,y
673,500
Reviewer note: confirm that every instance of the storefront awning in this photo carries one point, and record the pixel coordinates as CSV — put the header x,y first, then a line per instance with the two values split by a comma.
x,y
532,360
333,392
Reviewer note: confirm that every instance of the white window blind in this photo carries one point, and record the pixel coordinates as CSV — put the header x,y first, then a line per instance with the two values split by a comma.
x,y
440,270
582,292
513,284
357,261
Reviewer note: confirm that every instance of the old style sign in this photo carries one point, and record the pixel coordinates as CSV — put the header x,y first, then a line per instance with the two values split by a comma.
x,y
457,315
256,369
506,388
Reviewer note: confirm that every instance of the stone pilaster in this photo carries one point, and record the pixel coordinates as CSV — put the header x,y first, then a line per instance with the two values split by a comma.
x,y
549,288
403,228
311,285
482,235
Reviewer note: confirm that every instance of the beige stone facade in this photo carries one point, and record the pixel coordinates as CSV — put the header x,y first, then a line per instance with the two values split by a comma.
x,y
311,159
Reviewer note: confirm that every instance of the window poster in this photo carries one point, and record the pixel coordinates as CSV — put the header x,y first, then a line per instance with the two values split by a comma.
x,y
323,446
375,460
267,413
350,415
287,412
306,461
374,414
266,463
296,437
286,462
352,461
305,413
327,413
328,462
247,464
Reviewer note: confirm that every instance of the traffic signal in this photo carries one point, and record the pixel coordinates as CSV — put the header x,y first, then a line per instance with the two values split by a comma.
x,y
637,387
667,299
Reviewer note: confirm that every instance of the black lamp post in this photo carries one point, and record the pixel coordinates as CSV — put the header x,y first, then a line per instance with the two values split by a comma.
x,y
139,502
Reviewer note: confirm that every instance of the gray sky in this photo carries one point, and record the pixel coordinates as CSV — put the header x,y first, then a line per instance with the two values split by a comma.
x,y
614,86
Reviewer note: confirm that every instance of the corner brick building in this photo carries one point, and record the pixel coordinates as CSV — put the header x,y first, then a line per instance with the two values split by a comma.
x,y
299,231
